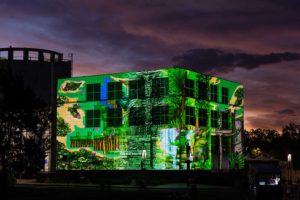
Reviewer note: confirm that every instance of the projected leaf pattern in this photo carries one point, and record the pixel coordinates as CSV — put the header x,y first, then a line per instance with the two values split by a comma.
x,y
121,147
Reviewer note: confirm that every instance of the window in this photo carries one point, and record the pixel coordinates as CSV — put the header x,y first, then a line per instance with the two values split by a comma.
x,y
202,117
93,92
114,117
137,89
160,115
114,90
137,116
225,122
224,95
202,90
214,119
92,118
189,116
214,93
189,88
160,87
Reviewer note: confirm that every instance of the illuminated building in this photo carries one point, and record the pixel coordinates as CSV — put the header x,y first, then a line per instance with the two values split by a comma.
x,y
160,119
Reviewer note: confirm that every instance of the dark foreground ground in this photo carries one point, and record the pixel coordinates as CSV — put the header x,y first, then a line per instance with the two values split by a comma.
x,y
142,186
89,191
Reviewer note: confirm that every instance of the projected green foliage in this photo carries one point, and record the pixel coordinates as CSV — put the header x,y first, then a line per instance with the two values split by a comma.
x,y
149,119
62,128
61,100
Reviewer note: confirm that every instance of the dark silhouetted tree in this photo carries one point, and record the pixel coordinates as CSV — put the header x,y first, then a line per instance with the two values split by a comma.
x,y
24,121
264,139
290,143
275,144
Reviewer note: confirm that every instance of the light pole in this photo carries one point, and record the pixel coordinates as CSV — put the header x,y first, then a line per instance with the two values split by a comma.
x,y
144,155
289,160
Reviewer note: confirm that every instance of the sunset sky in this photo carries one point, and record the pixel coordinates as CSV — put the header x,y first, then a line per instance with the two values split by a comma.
x,y
256,43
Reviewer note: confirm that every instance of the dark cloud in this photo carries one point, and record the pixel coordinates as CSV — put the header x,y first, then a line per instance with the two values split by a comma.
x,y
286,111
207,60
271,97
135,32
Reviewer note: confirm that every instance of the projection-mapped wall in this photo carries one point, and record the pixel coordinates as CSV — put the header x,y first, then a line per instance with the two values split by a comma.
x,y
170,119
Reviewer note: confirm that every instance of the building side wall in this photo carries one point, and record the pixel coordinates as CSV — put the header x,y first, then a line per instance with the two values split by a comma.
x,y
150,145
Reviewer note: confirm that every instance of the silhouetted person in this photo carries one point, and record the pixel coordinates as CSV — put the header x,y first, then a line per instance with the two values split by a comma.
x,y
102,186
194,192
108,184
143,183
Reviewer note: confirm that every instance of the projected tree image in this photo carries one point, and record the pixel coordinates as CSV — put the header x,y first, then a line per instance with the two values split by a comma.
x,y
162,119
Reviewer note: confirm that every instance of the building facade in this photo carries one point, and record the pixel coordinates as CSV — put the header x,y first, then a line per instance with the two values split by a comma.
x,y
167,119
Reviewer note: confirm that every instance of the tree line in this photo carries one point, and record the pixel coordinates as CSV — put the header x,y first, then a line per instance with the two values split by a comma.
x,y
277,145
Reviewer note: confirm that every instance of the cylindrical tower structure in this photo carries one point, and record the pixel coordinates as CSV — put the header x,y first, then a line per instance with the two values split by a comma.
x,y
39,69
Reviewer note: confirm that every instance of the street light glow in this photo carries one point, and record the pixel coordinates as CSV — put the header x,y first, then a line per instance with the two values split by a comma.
x,y
289,157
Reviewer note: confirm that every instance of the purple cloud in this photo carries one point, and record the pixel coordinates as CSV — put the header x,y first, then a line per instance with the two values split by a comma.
x,y
207,60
